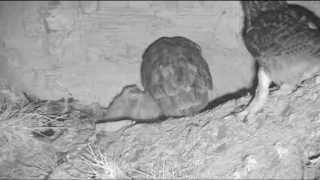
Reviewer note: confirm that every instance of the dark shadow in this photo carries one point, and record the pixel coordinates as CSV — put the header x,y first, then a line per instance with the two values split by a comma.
x,y
225,98
237,94
154,120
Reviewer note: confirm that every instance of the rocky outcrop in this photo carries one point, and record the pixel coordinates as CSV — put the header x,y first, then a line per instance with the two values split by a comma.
x,y
51,139
59,139
282,144
92,50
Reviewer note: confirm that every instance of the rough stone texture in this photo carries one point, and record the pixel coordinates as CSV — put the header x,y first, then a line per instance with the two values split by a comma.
x,y
53,50
38,136
91,50
55,140
92,55
283,144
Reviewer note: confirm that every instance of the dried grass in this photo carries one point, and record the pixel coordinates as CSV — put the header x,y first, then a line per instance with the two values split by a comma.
x,y
101,165
21,155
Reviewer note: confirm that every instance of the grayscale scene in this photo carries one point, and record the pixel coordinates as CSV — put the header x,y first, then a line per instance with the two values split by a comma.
x,y
159,90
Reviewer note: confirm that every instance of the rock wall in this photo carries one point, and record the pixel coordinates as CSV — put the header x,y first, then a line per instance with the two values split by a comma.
x,y
90,50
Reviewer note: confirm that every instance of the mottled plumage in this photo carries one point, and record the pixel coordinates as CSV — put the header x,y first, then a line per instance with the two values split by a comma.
x,y
176,80
175,74
285,41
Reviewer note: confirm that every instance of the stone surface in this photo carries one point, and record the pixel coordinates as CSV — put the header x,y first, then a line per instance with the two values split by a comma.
x,y
52,50
91,56
90,51
44,140
283,144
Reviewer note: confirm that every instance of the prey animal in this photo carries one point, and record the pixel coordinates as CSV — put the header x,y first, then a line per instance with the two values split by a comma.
x,y
176,79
